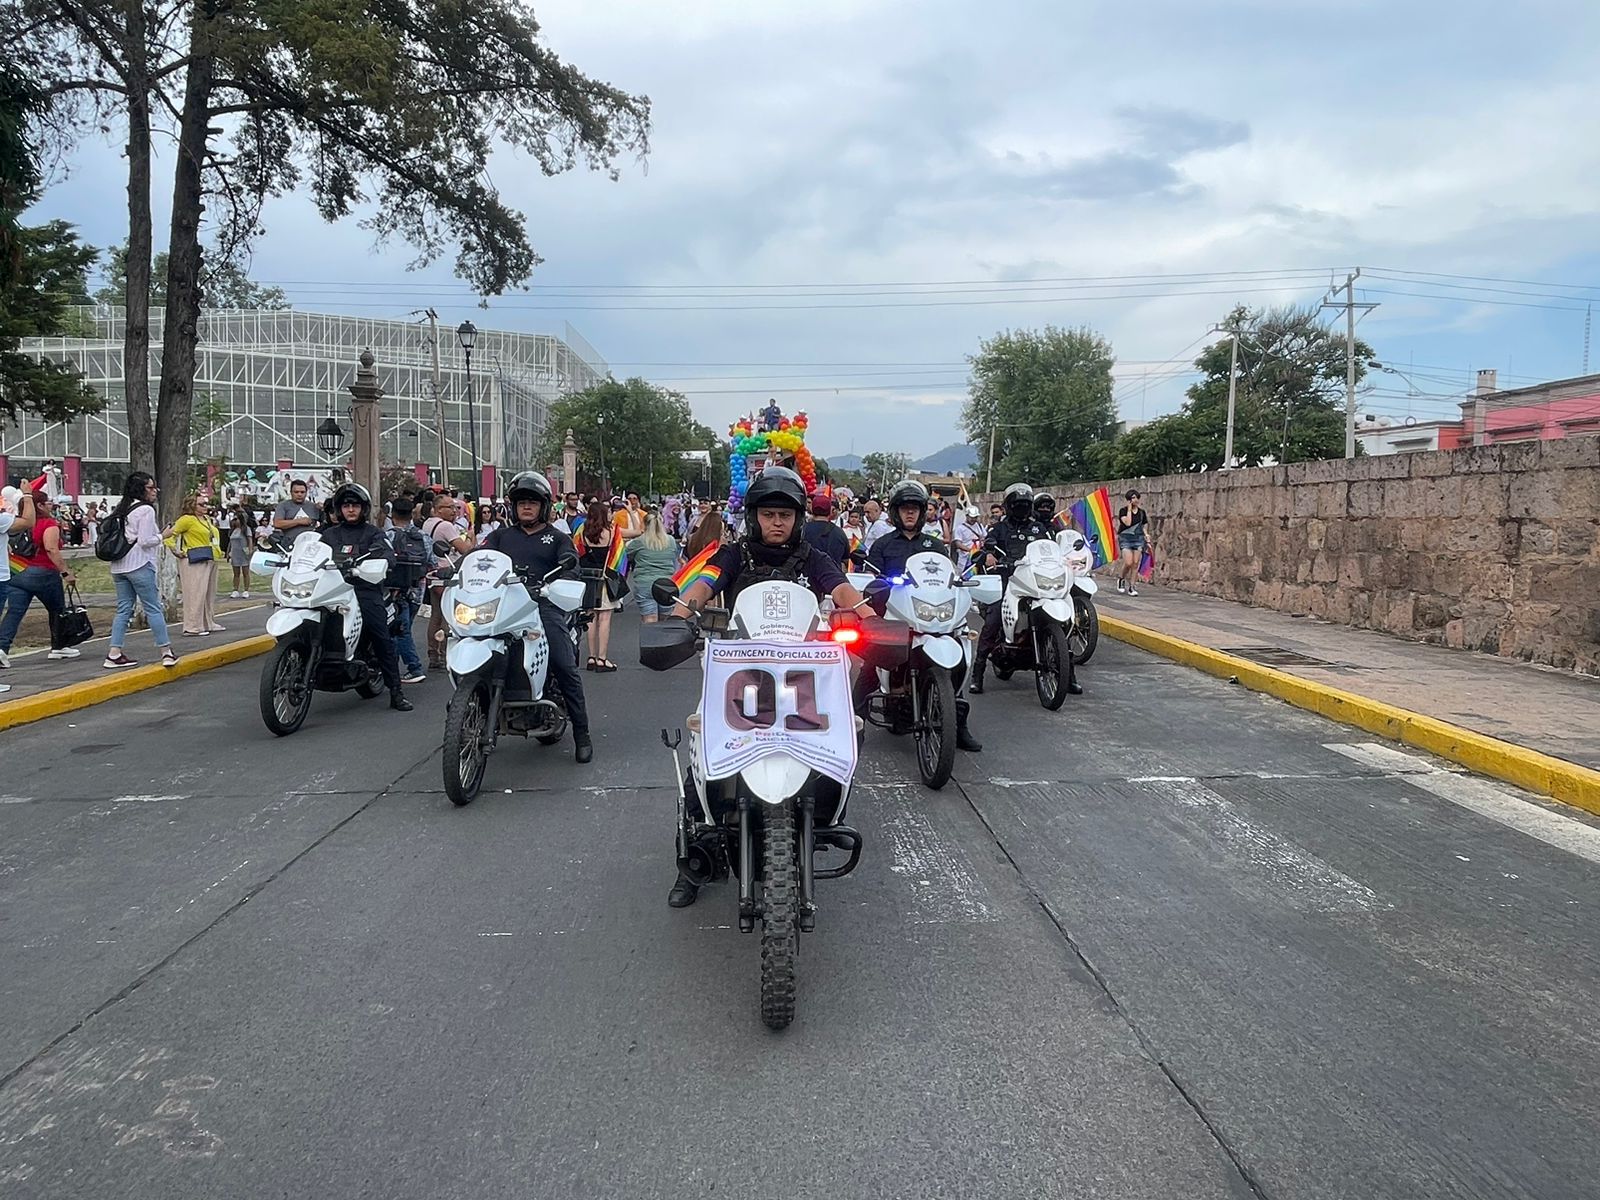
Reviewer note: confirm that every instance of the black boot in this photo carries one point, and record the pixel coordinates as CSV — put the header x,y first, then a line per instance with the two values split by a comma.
x,y
683,892
398,701
1074,688
582,747
975,688
964,739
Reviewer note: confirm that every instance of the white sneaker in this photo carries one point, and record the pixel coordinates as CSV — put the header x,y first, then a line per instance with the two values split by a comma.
x,y
68,652
246,595
233,595
5,659
1122,585
1132,591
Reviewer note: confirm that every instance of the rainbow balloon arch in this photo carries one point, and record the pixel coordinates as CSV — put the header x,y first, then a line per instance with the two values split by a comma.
x,y
750,441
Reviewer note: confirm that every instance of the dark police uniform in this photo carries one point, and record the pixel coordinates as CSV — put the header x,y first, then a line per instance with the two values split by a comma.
x,y
829,538
349,542
537,554
741,565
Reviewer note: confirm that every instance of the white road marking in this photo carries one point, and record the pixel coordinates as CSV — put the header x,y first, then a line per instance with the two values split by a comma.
x,y
944,888
145,799
1498,802
1309,882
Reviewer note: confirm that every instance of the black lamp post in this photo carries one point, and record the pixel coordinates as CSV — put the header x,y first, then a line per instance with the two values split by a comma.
x,y
605,482
330,438
467,334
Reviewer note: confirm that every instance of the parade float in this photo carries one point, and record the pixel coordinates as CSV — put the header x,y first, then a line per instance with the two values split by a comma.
x,y
767,439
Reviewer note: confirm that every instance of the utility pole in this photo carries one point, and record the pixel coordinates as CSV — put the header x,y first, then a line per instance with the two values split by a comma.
x,y
988,480
1349,306
1233,392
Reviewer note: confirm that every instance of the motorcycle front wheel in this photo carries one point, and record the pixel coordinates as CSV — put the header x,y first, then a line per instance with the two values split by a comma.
x,y
286,687
1085,634
936,737
466,725
1050,677
780,916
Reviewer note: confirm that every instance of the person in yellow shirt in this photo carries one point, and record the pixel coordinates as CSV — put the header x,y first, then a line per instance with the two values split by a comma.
x,y
198,547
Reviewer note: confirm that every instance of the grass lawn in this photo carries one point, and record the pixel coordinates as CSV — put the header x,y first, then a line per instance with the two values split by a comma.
x,y
94,581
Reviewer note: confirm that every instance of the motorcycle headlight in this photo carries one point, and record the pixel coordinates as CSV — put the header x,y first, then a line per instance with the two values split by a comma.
x,y
933,612
1047,582
476,614
295,591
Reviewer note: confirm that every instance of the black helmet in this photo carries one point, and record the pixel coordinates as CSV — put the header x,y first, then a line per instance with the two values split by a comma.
x,y
907,491
1018,500
530,485
776,487
348,492
1044,506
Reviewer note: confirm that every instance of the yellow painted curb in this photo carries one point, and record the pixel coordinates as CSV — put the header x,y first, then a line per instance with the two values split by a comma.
x,y
1542,773
125,683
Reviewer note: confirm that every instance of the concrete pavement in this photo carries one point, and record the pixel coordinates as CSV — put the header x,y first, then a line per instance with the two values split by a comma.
x,y
1175,940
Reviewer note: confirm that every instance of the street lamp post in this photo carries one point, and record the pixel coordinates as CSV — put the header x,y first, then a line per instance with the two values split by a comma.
x,y
467,335
605,481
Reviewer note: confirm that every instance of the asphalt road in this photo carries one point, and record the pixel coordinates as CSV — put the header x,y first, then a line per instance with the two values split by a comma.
x,y
1164,943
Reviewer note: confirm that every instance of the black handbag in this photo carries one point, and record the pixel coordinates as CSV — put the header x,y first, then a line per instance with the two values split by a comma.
x,y
616,587
74,626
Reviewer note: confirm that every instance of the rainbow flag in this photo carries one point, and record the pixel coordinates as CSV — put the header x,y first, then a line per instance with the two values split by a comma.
x,y
1092,515
617,560
1059,523
698,568
1147,564
577,523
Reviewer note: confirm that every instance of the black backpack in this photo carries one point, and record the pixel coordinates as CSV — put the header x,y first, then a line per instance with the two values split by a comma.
x,y
23,545
111,542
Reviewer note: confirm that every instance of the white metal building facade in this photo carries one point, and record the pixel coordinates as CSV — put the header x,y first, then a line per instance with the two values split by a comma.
x,y
276,374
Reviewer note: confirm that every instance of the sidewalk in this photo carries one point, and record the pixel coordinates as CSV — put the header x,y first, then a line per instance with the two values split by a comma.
x,y
1552,712
32,673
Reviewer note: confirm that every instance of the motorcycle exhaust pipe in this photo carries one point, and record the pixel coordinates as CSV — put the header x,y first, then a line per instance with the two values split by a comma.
x,y
699,864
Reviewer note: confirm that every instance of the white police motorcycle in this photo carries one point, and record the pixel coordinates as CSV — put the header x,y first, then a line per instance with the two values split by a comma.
x,y
499,661
772,751
1085,635
318,627
1036,620
920,654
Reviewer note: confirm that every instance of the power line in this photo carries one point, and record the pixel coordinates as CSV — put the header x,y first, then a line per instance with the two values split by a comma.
x,y
1588,287
1475,300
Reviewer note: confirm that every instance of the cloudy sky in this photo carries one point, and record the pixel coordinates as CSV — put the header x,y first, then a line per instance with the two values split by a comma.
x,y
843,198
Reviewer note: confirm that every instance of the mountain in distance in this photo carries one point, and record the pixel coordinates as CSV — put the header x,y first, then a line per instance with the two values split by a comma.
x,y
954,457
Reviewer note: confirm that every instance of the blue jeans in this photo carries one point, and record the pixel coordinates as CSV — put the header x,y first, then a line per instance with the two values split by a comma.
x,y
403,641
25,585
139,585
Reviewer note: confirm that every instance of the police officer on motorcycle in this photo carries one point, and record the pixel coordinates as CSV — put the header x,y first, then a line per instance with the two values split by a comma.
x,y
536,548
907,510
355,536
1044,510
772,548
1006,545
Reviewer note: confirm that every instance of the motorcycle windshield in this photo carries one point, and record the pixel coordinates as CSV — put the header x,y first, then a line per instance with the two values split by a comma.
x,y
763,699
776,610
310,554
482,570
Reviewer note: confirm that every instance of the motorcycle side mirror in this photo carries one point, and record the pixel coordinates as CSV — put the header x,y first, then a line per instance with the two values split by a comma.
x,y
441,547
665,643
664,592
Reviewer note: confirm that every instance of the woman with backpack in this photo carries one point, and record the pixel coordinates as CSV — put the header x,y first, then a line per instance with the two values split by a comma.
x,y
37,571
130,527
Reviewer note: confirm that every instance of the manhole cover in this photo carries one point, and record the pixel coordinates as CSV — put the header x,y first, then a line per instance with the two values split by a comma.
x,y
1276,656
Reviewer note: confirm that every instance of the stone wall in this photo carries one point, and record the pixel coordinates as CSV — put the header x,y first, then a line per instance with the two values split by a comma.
x,y
1492,548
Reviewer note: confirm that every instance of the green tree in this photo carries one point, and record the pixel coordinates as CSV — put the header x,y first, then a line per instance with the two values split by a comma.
x,y
223,283
883,469
1045,396
644,428
393,106
1288,406
43,270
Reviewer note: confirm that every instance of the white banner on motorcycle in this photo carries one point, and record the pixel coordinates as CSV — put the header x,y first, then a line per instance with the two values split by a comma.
x,y
765,697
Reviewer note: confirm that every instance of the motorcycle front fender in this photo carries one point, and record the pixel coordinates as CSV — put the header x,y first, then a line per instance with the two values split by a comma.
x,y
773,779
940,650
1085,585
1058,610
287,620
466,655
